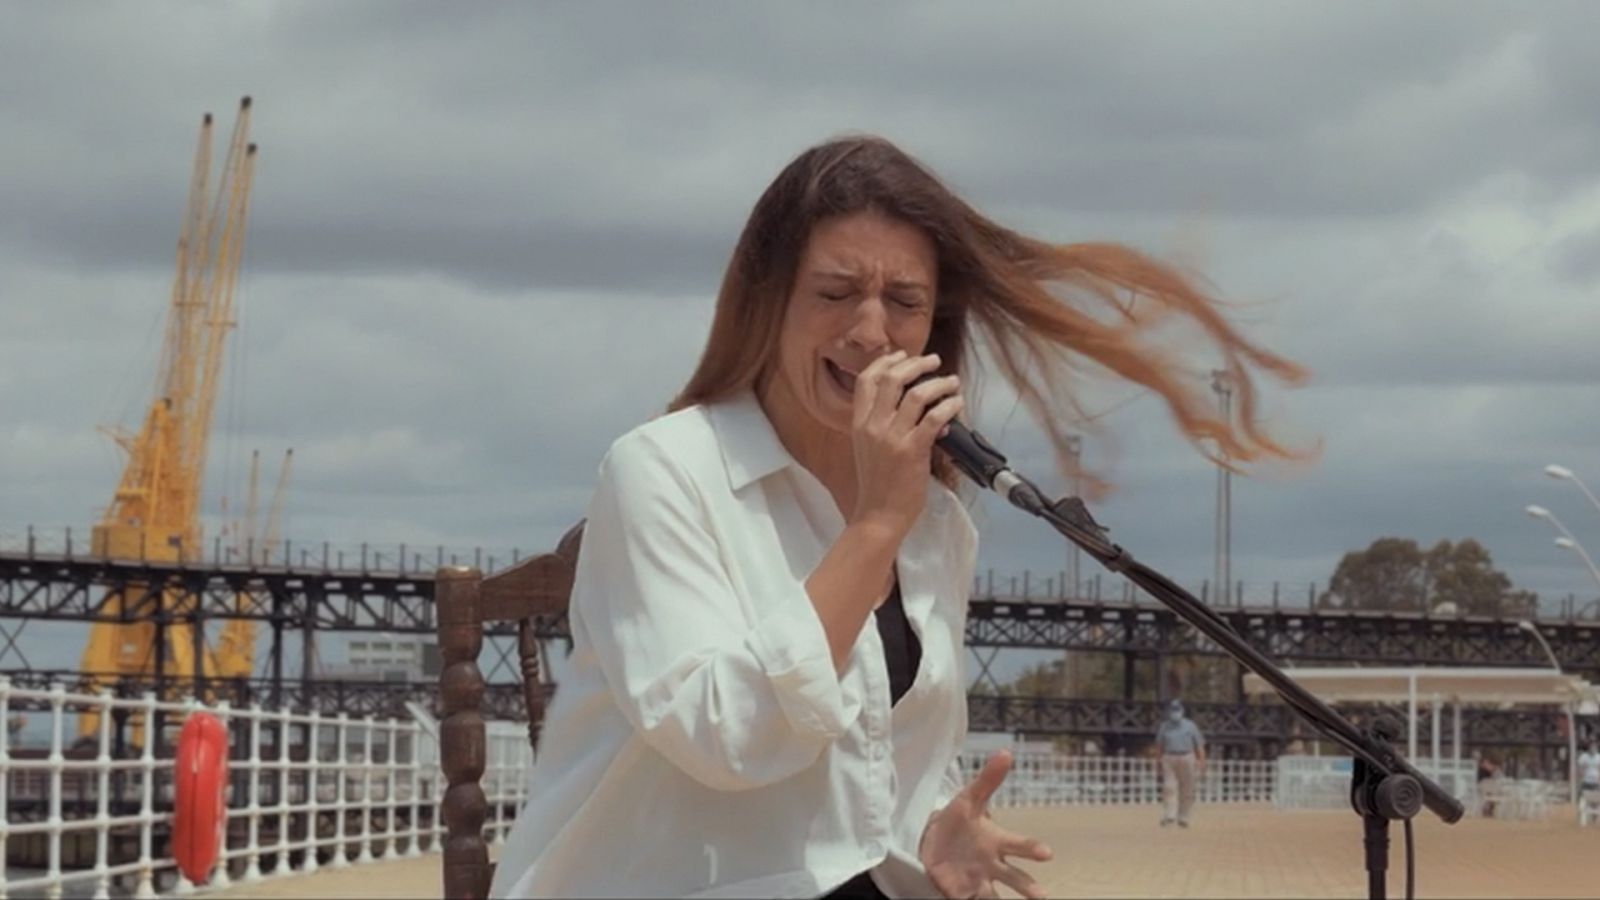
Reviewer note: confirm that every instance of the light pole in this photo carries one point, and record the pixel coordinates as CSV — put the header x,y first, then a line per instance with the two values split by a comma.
x,y
1570,544
1572,729
1075,450
1566,541
1532,629
1073,662
1562,472
1222,384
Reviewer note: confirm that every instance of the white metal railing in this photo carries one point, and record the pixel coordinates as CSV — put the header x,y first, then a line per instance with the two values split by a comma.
x,y
1520,798
305,790
1323,782
1052,779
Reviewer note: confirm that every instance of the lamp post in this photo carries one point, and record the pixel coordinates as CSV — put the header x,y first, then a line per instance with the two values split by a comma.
x,y
1570,544
1565,474
1572,729
1566,541
1222,384
1075,450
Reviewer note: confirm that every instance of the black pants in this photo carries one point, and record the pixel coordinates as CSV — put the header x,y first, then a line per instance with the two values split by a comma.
x,y
861,887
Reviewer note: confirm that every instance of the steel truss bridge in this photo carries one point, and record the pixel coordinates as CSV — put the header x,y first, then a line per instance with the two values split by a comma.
x,y
1249,727
296,604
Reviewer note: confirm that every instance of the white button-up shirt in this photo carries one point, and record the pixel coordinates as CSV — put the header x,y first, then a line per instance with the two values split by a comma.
x,y
702,743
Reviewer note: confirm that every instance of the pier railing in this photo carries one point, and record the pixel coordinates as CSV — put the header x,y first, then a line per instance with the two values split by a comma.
x,y
305,791
1044,778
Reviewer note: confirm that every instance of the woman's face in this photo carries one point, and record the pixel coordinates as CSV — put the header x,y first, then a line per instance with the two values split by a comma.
x,y
865,287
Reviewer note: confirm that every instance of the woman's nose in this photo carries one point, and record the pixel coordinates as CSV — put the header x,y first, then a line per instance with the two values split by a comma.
x,y
870,328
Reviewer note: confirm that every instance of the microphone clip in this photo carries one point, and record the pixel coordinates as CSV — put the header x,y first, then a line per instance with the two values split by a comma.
x,y
1073,510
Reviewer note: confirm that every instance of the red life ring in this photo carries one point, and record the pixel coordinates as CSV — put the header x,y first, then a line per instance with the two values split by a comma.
x,y
200,774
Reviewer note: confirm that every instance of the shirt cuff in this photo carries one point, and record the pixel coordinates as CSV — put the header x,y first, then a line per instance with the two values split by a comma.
x,y
793,651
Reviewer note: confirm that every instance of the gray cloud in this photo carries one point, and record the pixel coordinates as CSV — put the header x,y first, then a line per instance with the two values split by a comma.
x,y
382,142
484,242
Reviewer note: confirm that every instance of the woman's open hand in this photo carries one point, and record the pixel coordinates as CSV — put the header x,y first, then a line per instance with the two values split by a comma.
x,y
965,852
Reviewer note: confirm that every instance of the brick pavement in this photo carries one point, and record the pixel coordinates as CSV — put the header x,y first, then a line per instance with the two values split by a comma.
x,y
1119,851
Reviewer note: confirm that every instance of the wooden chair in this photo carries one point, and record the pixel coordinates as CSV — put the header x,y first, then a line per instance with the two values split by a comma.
x,y
464,603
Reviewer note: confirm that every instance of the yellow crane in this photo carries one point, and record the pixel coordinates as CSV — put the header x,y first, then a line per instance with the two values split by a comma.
x,y
154,514
234,654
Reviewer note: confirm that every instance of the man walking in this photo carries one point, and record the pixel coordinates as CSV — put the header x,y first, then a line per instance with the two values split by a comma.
x,y
1589,775
1183,763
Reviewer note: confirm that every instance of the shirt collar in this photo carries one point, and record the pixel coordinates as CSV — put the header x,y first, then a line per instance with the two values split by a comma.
x,y
751,450
750,446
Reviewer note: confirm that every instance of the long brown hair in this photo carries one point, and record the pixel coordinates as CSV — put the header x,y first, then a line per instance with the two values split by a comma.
x,y
1031,300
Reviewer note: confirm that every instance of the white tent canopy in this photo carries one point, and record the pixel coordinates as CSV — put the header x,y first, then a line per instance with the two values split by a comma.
x,y
1469,686
1481,686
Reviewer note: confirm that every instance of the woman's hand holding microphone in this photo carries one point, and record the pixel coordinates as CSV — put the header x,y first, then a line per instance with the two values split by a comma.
x,y
892,435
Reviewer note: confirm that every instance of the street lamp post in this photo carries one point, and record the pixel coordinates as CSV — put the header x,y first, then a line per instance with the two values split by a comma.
x,y
1222,384
1071,660
1566,541
1570,544
1075,450
1566,474
1572,729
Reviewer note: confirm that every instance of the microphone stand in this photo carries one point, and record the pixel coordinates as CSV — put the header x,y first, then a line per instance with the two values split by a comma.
x,y
1384,786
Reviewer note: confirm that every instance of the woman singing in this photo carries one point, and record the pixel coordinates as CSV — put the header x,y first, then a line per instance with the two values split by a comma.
x,y
765,694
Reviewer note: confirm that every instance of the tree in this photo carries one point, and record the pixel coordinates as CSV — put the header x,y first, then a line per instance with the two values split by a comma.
x,y
1046,679
1396,574
1389,574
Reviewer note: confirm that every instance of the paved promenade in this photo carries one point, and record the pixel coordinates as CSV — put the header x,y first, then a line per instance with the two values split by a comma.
x,y
1118,851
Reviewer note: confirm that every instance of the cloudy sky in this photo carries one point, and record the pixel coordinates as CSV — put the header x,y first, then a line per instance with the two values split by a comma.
x,y
485,239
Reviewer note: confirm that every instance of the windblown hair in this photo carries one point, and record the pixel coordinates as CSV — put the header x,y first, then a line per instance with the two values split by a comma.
x,y
1032,302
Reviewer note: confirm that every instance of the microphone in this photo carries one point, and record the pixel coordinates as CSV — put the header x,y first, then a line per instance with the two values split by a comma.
x,y
980,461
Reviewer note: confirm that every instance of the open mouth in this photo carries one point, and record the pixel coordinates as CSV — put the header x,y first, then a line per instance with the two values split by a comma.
x,y
845,380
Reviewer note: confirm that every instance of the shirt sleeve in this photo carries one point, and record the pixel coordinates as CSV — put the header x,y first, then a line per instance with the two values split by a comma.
x,y
964,549
734,704
950,784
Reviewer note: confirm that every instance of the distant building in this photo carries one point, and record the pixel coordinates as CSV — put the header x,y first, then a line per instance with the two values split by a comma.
x,y
389,658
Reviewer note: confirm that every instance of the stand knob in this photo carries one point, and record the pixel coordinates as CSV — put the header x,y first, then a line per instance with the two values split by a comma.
x,y
1398,797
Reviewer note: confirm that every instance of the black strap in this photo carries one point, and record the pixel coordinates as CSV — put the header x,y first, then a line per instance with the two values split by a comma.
x,y
902,652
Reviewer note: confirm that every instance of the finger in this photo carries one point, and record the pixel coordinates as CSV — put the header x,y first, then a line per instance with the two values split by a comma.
x,y
994,772
867,386
885,388
948,882
892,384
1020,881
907,370
921,398
933,425
910,368
1025,847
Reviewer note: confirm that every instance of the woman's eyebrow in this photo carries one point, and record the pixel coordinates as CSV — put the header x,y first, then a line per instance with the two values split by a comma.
x,y
837,274
901,283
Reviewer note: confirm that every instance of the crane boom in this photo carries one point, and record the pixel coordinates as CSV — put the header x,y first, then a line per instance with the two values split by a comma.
x,y
245,537
235,653
271,534
154,511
